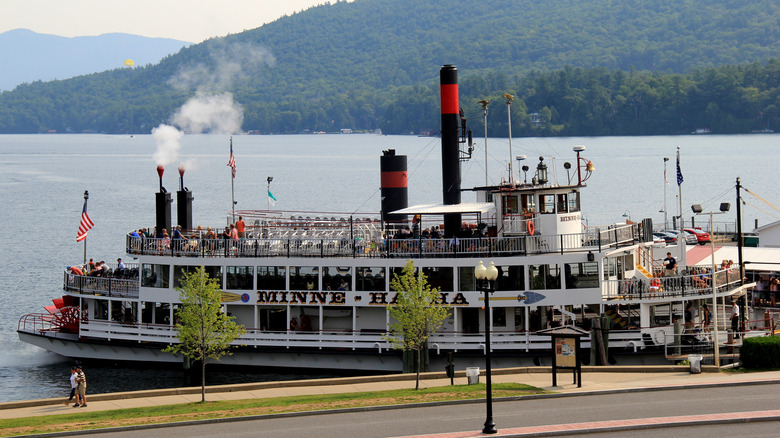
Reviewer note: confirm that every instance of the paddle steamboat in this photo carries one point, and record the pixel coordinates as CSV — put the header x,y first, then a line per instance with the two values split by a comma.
x,y
313,289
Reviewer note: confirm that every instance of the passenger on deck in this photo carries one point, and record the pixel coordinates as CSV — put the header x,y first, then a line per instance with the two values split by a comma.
x,y
241,227
670,265
120,266
294,324
233,232
305,323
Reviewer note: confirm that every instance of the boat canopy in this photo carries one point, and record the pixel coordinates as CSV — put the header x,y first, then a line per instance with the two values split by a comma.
x,y
484,208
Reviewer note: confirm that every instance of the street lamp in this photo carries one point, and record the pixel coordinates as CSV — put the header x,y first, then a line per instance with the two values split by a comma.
x,y
627,214
487,277
724,207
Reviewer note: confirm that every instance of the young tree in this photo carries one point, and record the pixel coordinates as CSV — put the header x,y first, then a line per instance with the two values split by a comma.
x,y
417,312
204,332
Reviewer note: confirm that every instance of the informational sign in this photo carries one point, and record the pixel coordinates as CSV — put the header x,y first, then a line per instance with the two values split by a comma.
x,y
566,352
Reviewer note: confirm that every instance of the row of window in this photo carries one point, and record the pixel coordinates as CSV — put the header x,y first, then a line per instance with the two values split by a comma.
x,y
375,279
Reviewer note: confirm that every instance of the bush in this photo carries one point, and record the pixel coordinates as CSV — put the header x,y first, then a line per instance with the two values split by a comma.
x,y
763,352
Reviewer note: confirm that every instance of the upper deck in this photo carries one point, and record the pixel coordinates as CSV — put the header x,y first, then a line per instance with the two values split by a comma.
x,y
360,240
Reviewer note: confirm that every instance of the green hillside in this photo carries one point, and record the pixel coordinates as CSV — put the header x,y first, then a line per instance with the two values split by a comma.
x,y
582,67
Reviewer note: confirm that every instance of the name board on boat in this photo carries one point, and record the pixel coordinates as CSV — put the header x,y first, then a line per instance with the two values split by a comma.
x,y
336,298
571,217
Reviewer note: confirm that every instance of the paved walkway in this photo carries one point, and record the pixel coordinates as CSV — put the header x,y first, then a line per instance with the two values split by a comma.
x,y
593,379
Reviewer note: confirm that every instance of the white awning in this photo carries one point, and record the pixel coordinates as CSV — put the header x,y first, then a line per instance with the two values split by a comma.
x,y
760,259
483,208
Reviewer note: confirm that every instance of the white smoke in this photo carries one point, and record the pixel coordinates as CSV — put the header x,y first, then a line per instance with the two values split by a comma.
x,y
229,63
210,113
167,138
212,109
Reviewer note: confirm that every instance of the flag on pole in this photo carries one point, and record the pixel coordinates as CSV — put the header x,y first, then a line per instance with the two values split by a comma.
x,y
232,161
85,224
679,172
271,197
665,178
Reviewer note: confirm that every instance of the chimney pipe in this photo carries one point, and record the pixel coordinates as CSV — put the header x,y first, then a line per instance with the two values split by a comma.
x,y
183,203
450,118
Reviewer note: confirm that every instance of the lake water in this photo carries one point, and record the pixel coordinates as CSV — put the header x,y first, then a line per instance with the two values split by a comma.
x,y
43,178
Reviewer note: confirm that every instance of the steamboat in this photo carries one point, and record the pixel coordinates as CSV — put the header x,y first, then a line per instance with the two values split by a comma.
x,y
313,289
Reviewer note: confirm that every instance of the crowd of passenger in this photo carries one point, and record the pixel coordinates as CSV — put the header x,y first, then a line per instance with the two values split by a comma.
x,y
100,269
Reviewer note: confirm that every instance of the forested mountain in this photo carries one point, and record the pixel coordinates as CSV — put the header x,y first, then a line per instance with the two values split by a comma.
x,y
28,56
576,67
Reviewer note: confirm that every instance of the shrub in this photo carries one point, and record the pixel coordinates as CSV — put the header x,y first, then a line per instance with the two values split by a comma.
x,y
763,352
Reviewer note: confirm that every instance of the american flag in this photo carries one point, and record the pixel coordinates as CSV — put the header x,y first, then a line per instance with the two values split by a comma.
x,y
232,161
679,172
85,224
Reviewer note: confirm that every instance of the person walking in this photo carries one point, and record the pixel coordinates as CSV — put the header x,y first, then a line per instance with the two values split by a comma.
x,y
81,388
73,386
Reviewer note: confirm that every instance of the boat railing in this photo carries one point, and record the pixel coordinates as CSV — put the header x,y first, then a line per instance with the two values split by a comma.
x,y
346,339
679,286
298,246
105,286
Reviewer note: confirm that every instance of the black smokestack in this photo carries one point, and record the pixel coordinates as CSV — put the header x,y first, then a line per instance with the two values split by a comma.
x,y
163,207
450,159
395,191
184,203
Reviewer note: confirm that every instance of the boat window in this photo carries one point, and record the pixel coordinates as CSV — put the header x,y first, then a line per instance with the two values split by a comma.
x,y
239,277
271,278
528,204
146,312
509,204
499,316
125,312
214,272
574,201
562,205
610,270
466,279
510,278
544,276
162,313
336,278
546,204
440,277
304,278
370,279
581,275
155,275
100,310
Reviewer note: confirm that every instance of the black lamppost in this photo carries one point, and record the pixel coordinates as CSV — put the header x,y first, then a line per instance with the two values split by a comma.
x,y
487,277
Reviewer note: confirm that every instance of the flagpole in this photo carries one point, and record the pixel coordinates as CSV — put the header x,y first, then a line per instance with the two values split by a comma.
x,y
683,260
86,196
232,177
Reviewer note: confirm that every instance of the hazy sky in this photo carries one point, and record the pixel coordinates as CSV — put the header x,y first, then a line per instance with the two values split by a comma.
x,y
187,20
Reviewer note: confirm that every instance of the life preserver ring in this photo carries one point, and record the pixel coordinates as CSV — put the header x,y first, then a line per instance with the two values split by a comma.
x,y
530,227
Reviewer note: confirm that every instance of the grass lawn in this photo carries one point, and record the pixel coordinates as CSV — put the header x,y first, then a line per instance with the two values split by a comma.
x,y
225,409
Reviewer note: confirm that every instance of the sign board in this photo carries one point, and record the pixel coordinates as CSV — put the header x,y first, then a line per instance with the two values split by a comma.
x,y
566,352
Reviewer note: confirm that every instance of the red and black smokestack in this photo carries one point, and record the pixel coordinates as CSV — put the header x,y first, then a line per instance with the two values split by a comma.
x,y
163,207
184,203
395,191
450,155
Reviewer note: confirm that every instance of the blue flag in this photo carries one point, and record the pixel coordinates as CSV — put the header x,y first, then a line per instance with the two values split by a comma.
x,y
271,195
